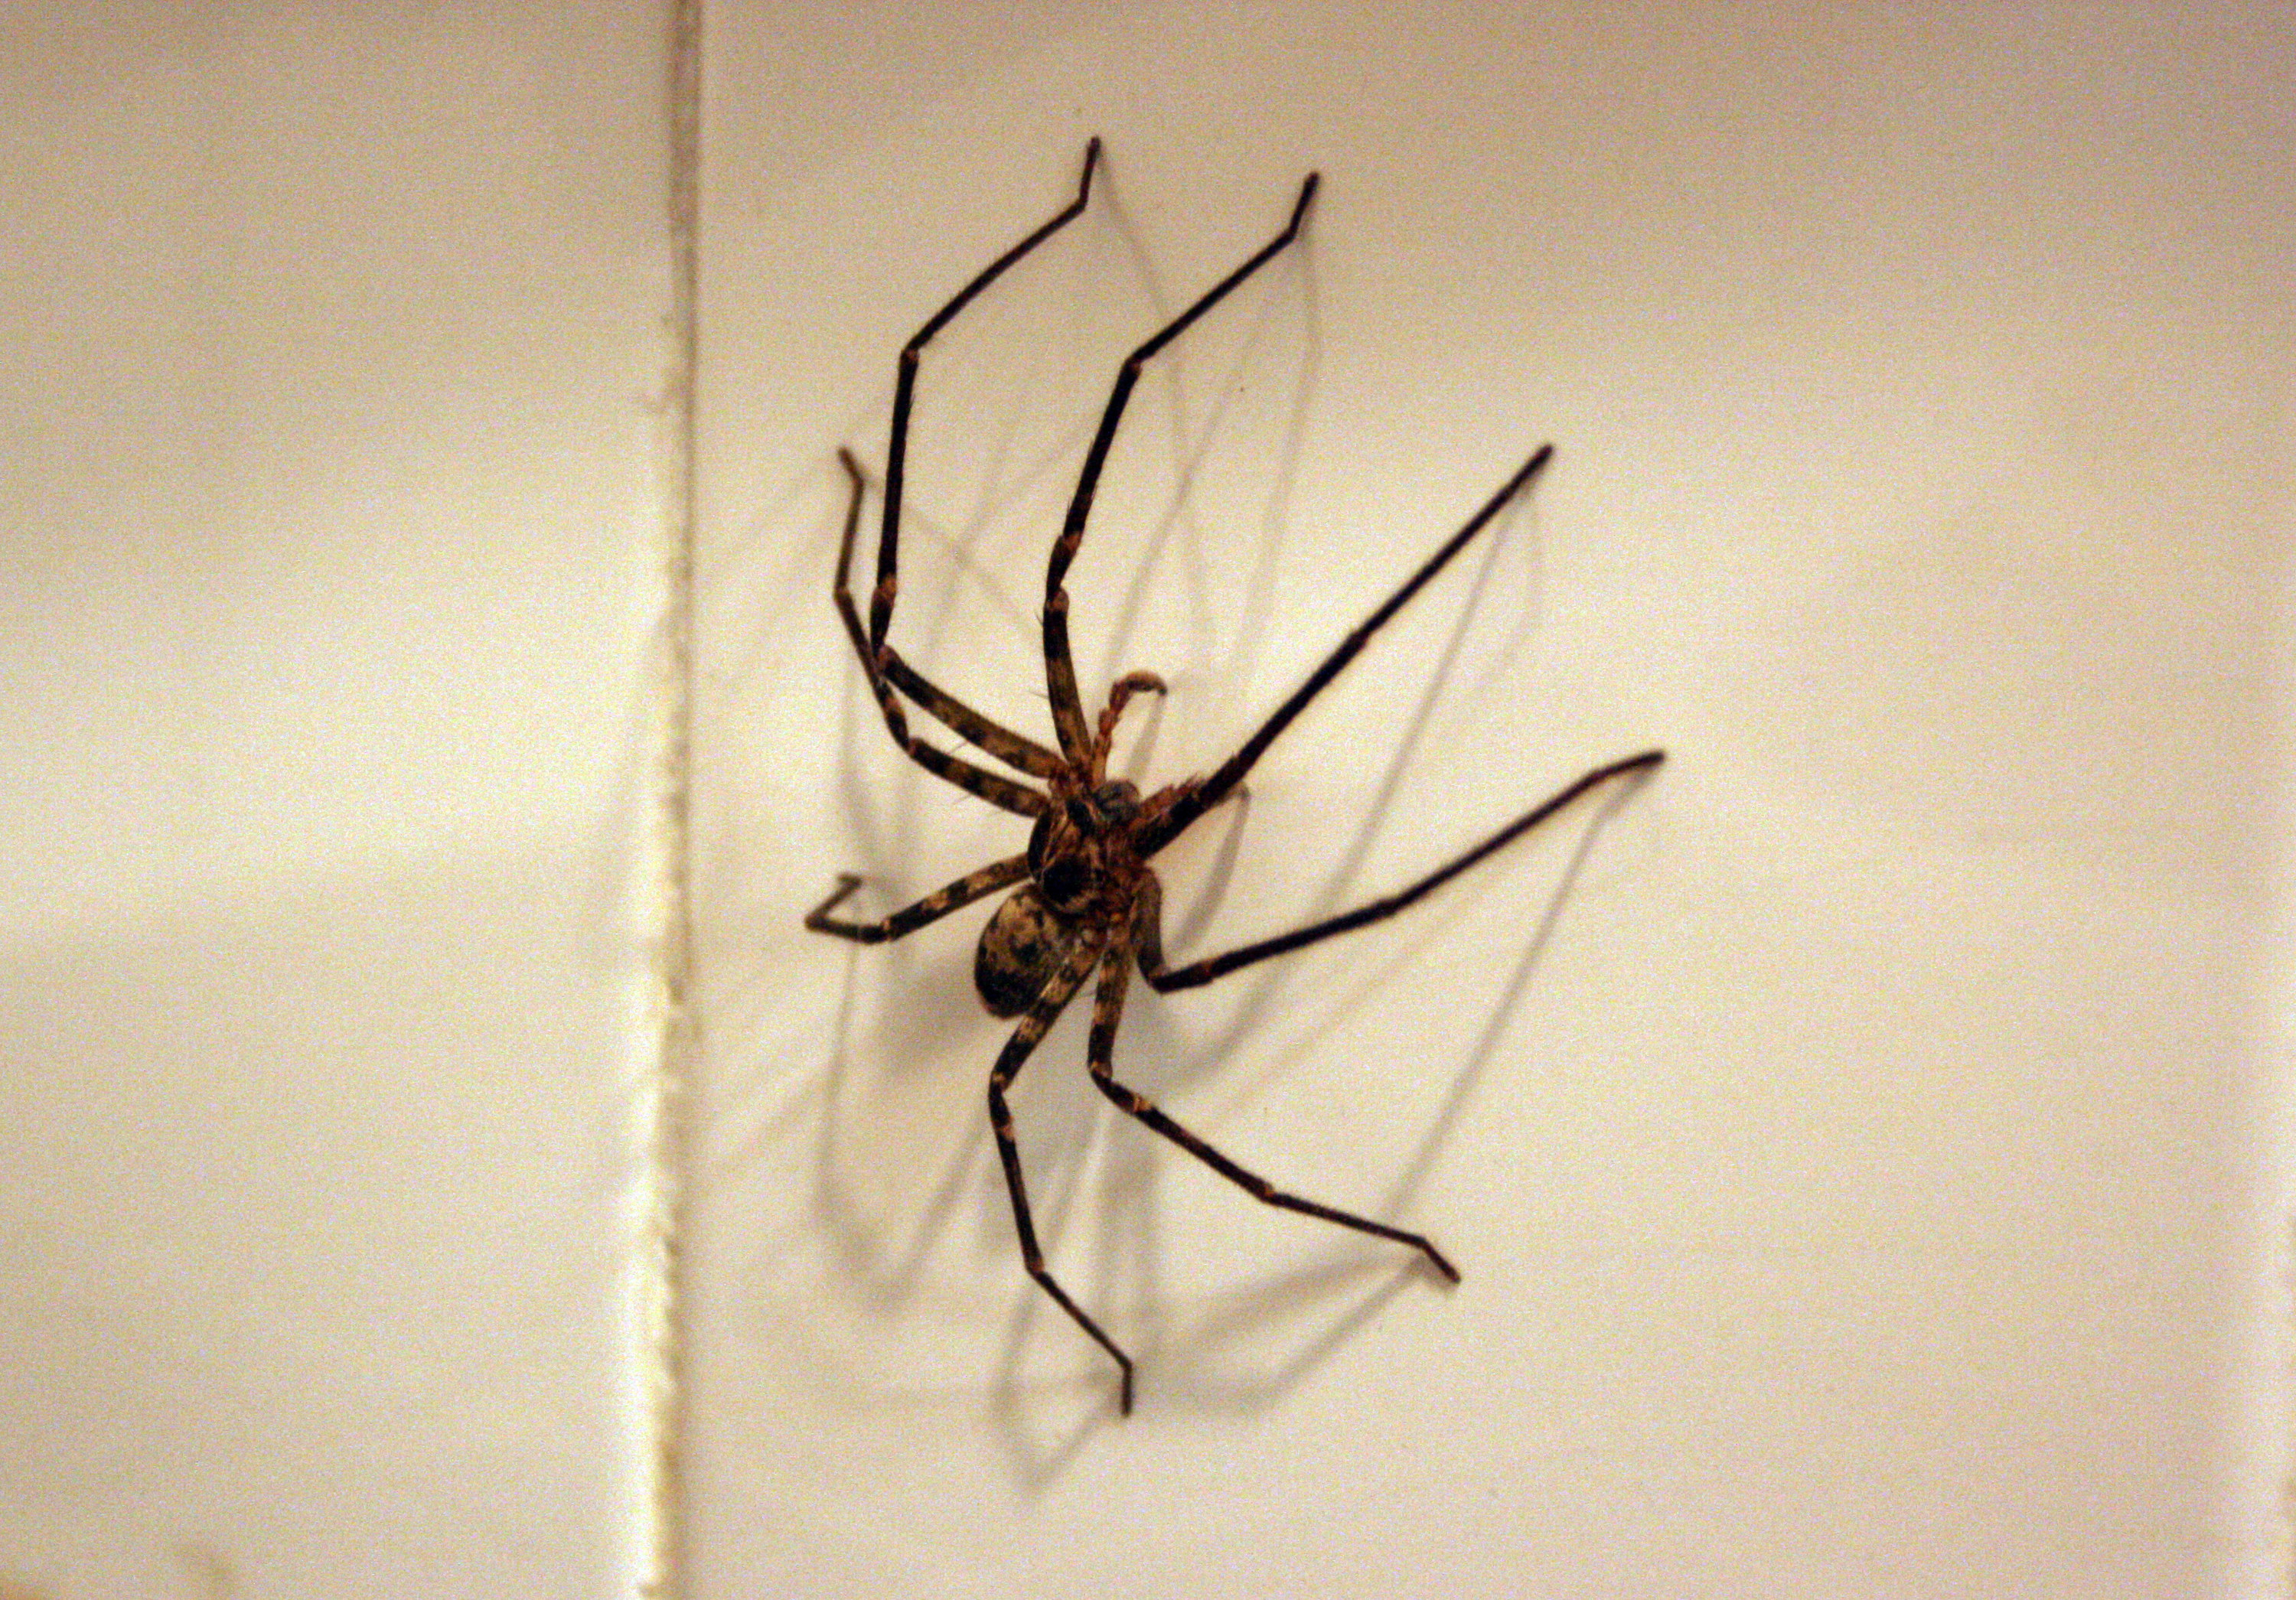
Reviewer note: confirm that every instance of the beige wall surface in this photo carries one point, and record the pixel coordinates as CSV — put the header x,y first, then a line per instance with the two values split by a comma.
x,y
1863,1144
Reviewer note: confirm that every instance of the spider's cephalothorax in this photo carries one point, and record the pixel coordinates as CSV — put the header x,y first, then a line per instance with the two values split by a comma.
x,y
1087,899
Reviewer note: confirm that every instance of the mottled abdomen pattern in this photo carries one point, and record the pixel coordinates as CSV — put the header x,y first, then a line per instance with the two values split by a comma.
x,y
1018,949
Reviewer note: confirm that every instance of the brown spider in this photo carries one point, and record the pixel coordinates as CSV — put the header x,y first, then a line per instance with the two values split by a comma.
x,y
1088,897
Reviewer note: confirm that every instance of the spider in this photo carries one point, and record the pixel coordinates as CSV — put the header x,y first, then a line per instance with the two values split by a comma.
x,y
1087,901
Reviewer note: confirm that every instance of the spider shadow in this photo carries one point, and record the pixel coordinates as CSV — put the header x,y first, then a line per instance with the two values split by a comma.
x,y
1126,1194
1230,1361
888,1278
1015,470
1289,285
1177,1365
1469,1079
1182,1363
1038,1454
1340,886
1011,471
1290,1295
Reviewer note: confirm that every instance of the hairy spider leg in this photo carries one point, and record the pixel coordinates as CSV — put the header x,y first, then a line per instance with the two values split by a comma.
x,y
1108,1010
1021,753
1060,665
1200,797
1058,990
880,667
935,905
1166,979
905,389
1119,695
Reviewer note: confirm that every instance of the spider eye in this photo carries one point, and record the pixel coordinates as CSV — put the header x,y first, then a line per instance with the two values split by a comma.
x,y
1066,883
1118,800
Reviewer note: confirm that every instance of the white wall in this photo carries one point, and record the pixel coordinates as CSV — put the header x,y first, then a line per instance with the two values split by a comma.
x,y
1865,1175
1862,1144
332,369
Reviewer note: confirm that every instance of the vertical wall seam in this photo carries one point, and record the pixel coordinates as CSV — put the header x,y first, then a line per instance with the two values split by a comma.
x,y
664,1133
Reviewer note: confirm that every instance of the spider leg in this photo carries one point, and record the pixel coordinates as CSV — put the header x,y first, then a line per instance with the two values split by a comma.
x,y
1166,979
1060,665
1108,1008
1207,793
905,389
935,905
1058,990
1119,695
886,671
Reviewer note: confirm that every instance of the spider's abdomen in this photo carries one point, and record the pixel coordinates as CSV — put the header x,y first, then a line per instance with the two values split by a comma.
x,y
1018,949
